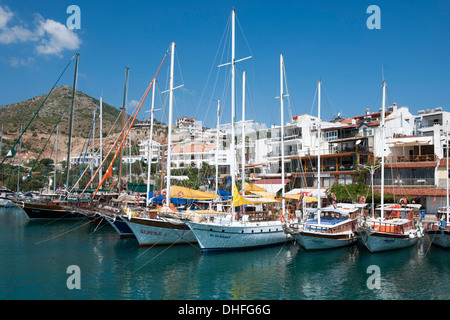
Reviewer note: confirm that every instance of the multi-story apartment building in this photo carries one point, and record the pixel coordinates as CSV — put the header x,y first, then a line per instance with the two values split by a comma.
x,y
155,153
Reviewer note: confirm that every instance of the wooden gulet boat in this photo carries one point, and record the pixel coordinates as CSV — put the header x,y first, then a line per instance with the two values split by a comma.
x,y
396,227
334,227
249,229
440,233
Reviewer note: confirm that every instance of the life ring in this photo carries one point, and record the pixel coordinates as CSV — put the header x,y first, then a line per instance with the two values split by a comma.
x,y
156,194
281,218
70,189
403,201
335,204
362,200
163,193
333,196
136,198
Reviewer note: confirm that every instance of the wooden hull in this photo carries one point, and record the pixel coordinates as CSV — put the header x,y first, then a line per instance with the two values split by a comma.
x,y
120,226
168,231
381,241
47,211
440,237
214,237
321,241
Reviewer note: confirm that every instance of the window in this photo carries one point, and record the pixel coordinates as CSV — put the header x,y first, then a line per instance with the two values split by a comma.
x,y
331,135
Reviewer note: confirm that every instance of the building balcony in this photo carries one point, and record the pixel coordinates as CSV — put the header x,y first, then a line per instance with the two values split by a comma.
x,y
402,182
407,158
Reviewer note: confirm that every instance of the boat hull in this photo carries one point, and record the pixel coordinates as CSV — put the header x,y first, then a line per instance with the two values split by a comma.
x,y
47,211
379,241
440,237
120,226
314,241
151,232
218,237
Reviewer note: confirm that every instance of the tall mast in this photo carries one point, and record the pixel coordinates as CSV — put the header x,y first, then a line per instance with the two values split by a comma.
x,y
56,158
217,147
93,146
319,204
243,132
101,139
448,204
150,146
18,169
233,101
123,123
283,201
169,151
382,149
233,104
1,142
70,121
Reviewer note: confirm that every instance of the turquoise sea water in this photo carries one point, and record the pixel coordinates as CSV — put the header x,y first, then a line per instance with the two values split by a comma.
x,y
35,256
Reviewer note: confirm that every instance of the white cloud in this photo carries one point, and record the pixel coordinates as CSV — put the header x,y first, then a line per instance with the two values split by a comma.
x,y
5,16
51,37
132,104
19,62
56,38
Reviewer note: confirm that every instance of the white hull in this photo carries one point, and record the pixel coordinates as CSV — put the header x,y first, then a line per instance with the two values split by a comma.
x,y
312,241
440,238
160,231
213,237
377,242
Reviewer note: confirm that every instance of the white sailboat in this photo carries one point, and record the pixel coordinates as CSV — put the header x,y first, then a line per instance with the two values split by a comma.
x,y
256,227
440,233
333,226
162,226
396,227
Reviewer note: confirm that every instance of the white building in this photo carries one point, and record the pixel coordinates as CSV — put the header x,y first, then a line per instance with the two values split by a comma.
x,y
156,153
87,158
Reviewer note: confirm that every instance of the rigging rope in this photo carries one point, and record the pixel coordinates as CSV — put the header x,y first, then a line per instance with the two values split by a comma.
x,y
125,136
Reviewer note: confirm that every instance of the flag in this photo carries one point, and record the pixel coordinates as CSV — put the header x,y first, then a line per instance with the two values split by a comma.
x,y
108,173
434,200
11,153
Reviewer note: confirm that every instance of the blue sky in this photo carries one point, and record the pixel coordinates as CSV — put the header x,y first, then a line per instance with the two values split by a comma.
x,y
327,39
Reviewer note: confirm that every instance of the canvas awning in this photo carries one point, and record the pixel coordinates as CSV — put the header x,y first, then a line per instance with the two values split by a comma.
x,y
239,200
187,193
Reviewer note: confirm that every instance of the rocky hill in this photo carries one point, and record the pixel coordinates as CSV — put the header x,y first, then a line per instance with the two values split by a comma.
x,y
57,106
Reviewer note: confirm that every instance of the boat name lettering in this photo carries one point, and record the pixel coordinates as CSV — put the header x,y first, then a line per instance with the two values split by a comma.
x,y
153,233
220,236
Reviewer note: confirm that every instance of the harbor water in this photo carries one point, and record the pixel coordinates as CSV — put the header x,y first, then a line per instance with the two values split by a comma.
x,y
38,259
